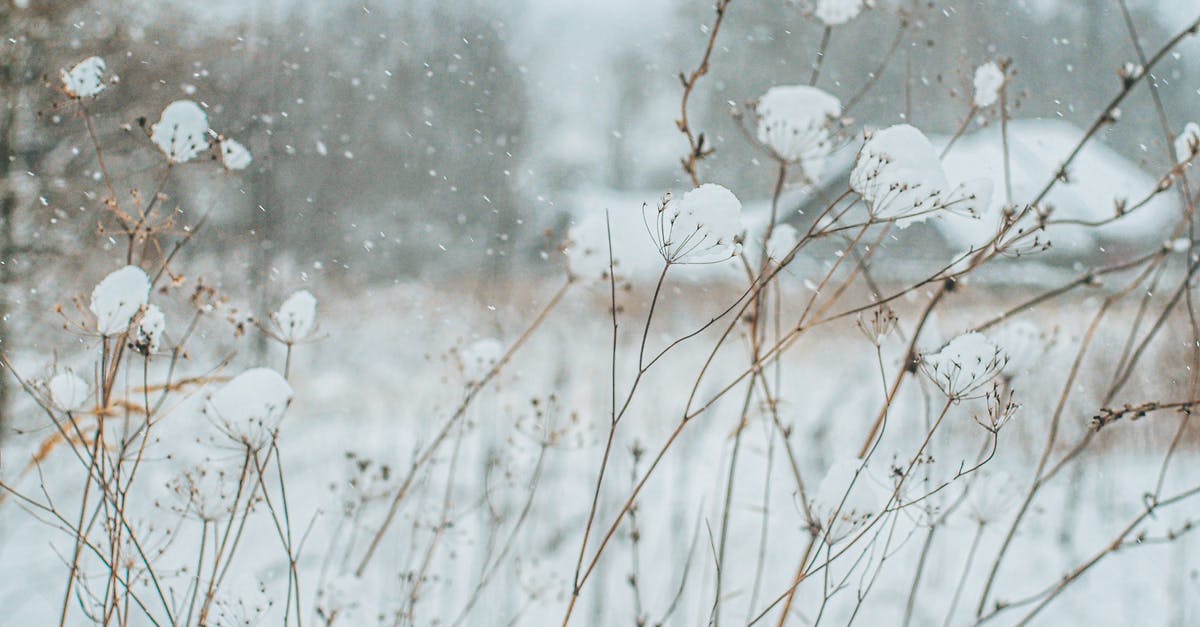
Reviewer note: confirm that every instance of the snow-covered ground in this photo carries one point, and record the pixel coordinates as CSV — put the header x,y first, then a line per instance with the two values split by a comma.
x,y
382,380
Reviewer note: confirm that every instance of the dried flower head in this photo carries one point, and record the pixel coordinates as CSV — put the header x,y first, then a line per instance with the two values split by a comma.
x,y
702,227
881,323
964,365
249,408
846,500
796,122
181,132
899,175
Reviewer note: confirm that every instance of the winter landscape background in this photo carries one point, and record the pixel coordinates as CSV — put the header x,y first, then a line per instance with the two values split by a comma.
x,y
598,313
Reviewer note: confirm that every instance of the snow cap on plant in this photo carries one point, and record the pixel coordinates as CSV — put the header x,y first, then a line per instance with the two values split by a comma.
x,y
846,500
899,175
249,408
234,156
838,12
118,298
67,391
480,357
85,79
964,365
702,227
150,329
181,132
784,238
297,316
989,79
795,123
1188,142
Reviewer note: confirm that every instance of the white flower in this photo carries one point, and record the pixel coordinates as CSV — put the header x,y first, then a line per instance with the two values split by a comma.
x,y
67,391
119,297
964,365
234,155
85,79
249,408
702,227
899,175
837,12
990,495
150,329
989,78
297,316
795,122
1188,142
181,131
846,500
481,356
1022,343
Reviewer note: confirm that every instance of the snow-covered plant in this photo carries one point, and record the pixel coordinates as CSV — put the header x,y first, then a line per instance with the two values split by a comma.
x,y
85,79
783,240
704,226
248,408
68,391
479,357
838,12
297,317
150,329
1188,142
964,365
234,155
991,494
118,298
796,123
181,132
846,500
899,175
989,79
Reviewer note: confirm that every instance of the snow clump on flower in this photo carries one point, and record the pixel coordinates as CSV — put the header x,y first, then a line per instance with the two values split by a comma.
x,y
837,12
1188,142
795,121
989,78
150,329
85,79
297,316
702,227
118,298
964,365
234,155
899,175
67,391
250,407
181,131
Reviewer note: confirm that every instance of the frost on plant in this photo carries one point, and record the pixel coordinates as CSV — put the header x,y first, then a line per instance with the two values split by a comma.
x,y
119,297
297,316
248,408
85,79
964,365
899,175
795,122
989,79
702,227
181,132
